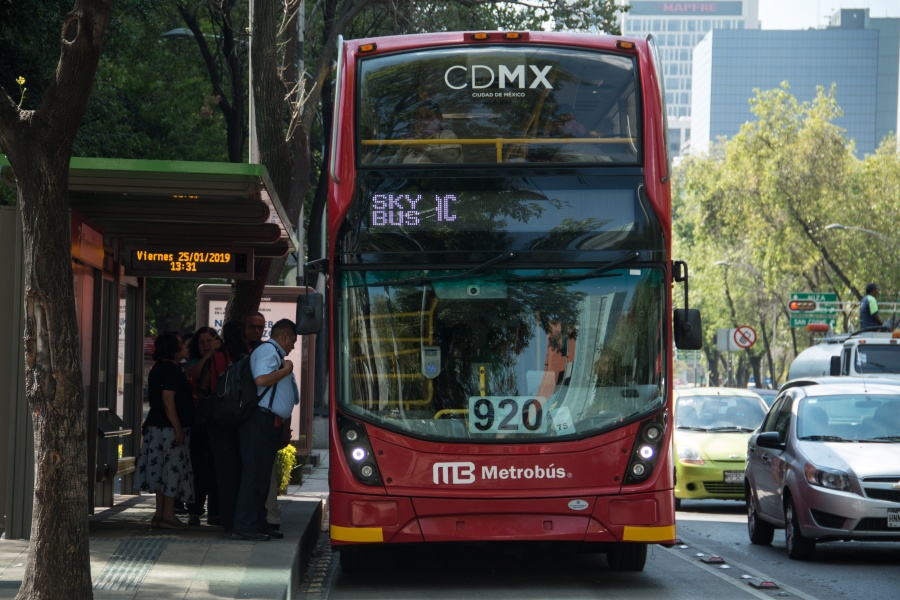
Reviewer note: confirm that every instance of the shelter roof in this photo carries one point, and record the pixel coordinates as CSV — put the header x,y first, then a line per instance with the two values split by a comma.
x,y
222,205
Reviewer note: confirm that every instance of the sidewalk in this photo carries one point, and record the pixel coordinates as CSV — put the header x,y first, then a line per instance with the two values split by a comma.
x,y
131,561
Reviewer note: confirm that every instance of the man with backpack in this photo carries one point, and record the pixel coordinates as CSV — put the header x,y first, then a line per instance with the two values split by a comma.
x,y
260,433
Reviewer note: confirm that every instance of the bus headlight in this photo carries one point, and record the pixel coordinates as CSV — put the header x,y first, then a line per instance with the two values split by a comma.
x,y
358,451
645,452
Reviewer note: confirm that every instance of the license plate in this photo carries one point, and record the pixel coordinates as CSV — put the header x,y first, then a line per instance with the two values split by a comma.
x,y
734,477
894,518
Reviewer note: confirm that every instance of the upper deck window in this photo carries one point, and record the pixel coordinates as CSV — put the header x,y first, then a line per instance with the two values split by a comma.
x,y
498,105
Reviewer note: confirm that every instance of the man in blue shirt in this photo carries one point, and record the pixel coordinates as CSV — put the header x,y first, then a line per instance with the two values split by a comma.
x,y
868,308
261,434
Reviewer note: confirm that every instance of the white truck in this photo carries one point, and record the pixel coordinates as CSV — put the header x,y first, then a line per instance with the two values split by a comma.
x,y
866,353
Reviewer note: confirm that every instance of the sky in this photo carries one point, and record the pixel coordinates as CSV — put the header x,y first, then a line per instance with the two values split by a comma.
x,y
803,14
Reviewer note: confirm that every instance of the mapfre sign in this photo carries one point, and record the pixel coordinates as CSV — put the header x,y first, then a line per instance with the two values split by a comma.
x,y
697,9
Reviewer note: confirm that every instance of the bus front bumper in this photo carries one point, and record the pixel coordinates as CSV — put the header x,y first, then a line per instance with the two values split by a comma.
x,y
361,519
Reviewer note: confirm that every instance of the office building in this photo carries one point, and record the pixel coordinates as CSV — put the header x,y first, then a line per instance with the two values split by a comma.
x,y
678,27
860,55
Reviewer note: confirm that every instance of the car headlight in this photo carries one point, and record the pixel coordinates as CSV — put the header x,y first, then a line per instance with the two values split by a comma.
x,y
690,456
827,478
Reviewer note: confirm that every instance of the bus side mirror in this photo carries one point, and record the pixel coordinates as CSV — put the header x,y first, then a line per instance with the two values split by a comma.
x,y
310,313
688,330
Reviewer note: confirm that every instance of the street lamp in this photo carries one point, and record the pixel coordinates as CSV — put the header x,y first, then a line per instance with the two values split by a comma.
x,y
726,264
838,226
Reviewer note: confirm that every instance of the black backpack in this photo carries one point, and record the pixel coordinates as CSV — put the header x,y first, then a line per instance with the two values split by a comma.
x,y
236,398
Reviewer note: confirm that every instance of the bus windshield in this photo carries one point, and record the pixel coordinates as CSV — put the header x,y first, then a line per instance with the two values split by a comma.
x,y
498,104
501,353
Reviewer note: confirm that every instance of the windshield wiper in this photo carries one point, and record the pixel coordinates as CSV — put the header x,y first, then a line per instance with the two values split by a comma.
x,y
691,428
883,438
423,279
730,428
598,272
823,438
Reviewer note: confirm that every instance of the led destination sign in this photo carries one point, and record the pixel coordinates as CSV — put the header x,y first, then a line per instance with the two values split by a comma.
x,y
179,261
522,211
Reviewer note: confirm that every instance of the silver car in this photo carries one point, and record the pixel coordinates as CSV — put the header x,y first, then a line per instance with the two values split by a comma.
x,y
825,464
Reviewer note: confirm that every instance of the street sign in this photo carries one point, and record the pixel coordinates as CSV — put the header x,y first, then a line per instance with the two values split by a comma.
x,y
807,308
813,319
744,337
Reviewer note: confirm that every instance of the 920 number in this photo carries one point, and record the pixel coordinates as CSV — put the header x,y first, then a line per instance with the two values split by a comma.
x,y
505,414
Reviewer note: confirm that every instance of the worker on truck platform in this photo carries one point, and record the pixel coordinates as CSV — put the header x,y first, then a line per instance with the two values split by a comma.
x,y
868,308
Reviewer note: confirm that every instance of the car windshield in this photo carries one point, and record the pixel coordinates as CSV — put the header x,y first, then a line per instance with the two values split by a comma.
x,y
500,354
849,417
876,359
718,413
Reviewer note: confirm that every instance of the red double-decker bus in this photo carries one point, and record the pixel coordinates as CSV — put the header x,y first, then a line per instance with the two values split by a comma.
x,y
499,294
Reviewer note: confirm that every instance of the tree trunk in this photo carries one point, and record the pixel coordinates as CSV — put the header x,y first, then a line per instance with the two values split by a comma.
x,y
59,560
38,145
246,294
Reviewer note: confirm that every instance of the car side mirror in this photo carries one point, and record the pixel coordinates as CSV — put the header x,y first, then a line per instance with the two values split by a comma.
x,y
770,439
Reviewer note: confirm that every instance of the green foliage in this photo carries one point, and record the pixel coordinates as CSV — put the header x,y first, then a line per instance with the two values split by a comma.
x,y
24,31
151,97
761,202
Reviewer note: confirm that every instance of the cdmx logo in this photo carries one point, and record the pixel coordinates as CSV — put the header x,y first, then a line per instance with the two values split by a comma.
x,y
483,76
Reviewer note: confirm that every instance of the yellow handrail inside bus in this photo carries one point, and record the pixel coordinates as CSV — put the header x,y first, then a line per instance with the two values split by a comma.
x,y
412,346
451,412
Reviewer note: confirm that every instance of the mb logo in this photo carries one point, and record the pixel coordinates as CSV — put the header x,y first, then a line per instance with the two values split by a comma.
x,y
454,472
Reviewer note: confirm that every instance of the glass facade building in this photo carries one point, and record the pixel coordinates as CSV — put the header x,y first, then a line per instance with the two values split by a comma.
x,y
861,56
678,27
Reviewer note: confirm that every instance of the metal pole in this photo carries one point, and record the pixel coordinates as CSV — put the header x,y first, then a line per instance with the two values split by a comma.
x,y
254,141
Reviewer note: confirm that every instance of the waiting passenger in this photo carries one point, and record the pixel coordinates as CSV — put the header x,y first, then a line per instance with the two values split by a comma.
x,y
164,461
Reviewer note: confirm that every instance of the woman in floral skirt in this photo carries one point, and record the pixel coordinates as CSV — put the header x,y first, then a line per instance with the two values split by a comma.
x,y
164,464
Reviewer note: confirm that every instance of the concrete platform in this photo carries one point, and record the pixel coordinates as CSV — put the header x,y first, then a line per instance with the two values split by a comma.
x,y
129,560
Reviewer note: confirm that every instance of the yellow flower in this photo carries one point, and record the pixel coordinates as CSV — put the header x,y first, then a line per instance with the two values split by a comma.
x,y
20,80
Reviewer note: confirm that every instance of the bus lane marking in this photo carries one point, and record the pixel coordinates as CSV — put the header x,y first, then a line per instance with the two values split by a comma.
x,y
738,583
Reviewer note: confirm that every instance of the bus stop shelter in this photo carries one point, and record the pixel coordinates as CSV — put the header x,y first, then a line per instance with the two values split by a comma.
x,y
130,219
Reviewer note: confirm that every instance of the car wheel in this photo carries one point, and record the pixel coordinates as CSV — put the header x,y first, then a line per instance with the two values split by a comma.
x,y
627,556
761,532
798,547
